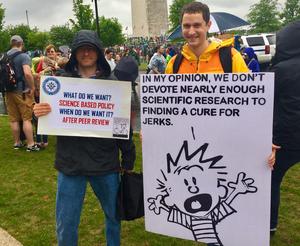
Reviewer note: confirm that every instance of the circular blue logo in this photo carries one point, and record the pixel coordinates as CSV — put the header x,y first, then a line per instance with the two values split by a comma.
x,y
51,86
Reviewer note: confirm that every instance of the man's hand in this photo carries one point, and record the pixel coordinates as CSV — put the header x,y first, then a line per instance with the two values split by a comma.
x,y
41,109
272,157
243,185
155,204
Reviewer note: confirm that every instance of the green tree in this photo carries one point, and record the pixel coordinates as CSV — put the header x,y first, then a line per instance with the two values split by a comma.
x,y
110,31
4,37
61,35
2,15
175,10
264,16
38,40
22,30
83,14
291,11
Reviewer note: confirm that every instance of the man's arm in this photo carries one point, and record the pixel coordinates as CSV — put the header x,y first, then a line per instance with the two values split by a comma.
x,y
128,153
281,76
28,78
155,70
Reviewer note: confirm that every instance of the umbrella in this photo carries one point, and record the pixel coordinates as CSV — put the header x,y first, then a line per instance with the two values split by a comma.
x,y
220,21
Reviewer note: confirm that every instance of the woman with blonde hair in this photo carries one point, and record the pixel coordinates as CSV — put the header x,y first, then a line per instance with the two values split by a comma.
x,y
48,64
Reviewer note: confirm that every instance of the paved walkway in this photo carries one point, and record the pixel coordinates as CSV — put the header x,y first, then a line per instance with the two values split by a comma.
x,y
7,240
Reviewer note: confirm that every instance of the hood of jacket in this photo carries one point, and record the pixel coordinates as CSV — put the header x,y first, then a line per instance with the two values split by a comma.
x,y
87,37
287,44
127,69
250,53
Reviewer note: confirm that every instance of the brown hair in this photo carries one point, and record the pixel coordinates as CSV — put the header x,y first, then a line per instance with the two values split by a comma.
x,y
15,43
108,50
195,8
49,47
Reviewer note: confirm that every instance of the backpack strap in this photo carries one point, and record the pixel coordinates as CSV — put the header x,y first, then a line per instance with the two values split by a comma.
x,y
226,59
177,62
11,57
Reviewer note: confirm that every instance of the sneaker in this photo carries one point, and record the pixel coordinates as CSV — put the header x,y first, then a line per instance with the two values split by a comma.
x,y
19,145
44,145
32,148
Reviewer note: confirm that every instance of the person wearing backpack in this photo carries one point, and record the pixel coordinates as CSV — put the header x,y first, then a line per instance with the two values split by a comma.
x,y
199,54
20,99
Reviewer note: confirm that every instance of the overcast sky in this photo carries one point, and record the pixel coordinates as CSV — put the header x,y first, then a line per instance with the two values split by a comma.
x,y
45,13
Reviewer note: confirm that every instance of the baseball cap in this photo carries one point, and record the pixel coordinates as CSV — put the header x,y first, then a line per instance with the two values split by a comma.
x,y
16,38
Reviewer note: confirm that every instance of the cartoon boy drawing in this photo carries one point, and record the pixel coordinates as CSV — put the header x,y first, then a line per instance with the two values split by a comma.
x,y
196,203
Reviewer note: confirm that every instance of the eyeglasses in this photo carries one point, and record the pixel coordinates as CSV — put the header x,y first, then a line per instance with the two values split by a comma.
x,y
51,51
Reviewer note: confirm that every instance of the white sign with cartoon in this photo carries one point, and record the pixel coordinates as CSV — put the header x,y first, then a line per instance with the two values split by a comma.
x,y
206,140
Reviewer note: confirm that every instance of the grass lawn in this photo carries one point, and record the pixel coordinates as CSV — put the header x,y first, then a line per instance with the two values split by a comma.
x,y
27,202
143,66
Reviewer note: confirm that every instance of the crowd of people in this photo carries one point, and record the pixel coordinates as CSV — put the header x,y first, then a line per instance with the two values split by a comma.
x,y
23,121
50,62
96,160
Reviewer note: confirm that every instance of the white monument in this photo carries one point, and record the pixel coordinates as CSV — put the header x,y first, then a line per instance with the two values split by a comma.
x,y
149,17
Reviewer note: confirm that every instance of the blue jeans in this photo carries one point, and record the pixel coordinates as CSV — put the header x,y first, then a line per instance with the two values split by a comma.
x,y
69,201
41,138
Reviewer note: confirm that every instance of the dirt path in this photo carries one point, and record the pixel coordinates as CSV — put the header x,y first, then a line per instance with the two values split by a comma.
x,y
7,240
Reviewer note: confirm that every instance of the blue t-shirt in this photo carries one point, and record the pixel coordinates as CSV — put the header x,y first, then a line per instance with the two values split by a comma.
x,y
19,61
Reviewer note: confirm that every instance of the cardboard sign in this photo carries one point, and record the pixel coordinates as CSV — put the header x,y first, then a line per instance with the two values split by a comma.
x,y
85,107
206,141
